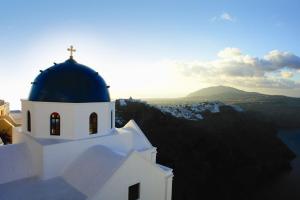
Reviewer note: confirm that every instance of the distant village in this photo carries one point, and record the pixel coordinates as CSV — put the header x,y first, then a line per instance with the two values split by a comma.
x,y
8,121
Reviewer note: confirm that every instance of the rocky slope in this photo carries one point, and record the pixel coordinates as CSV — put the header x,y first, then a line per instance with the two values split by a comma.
x,y
225,155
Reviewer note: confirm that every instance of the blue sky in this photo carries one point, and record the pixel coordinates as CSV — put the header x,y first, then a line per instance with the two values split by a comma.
x,y
130,42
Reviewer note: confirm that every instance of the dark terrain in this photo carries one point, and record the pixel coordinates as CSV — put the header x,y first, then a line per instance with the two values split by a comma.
x,y
286,185
227,155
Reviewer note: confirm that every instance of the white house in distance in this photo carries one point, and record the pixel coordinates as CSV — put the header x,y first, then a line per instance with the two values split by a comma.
x,y
68,146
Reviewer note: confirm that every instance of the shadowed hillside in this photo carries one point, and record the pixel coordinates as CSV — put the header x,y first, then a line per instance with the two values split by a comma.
x,y
226,155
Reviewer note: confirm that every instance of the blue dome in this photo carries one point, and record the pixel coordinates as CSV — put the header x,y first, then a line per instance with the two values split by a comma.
x,y
69,82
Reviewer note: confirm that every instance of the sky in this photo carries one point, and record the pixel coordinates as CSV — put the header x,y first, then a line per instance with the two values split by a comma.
x,y
156,48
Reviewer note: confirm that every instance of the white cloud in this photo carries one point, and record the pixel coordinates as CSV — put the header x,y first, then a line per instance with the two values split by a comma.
x,y
287,74
230,52
274,70
225,16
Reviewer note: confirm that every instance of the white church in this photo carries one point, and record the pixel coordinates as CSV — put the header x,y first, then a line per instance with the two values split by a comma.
x,y
68,146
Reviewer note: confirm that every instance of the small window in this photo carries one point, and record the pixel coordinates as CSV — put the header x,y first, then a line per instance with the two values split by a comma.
x,y
93,123
134,192
55,124
111,119
28,121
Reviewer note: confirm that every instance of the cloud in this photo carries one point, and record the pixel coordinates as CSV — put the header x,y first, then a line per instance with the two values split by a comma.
x,y
230,52
227,17
281,59
273,70
223,17
287,74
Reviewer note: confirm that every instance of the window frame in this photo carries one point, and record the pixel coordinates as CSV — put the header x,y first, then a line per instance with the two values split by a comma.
x,y
28,121
93,123
111,119
55,124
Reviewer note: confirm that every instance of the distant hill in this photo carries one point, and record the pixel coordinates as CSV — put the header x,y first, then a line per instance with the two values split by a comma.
x,y
216,91
226,94
233,95
282,110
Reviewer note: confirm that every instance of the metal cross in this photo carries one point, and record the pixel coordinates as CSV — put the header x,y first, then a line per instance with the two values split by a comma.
x,y
71,49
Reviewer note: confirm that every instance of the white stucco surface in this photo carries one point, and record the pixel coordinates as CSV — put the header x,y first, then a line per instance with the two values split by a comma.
x,y
15,162
35,189
134,170
74,118
77,165
97,165
52,156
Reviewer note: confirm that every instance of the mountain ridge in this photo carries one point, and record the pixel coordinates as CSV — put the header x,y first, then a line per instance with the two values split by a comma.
x,y
217,90
284,111
233,95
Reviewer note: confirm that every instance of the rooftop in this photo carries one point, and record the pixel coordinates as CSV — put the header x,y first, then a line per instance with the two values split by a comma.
x,y
34,189
69,82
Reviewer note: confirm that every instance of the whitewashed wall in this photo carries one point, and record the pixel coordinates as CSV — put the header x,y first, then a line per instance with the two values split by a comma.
x,y
57,157
153,182
35,149
74,118
15,162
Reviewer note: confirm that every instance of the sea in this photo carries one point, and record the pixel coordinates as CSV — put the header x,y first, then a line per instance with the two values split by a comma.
x,y
287,185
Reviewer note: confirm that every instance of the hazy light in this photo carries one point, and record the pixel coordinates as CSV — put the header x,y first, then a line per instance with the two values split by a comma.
x,y
125,73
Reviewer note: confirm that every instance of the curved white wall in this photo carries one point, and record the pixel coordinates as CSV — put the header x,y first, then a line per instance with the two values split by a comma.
x,y
74,118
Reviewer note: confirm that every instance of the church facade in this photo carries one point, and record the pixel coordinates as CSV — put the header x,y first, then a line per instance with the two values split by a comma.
x,y
68,146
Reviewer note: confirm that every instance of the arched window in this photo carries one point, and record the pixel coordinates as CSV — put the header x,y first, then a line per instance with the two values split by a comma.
x,y
28,121
93,123
55,124
111,119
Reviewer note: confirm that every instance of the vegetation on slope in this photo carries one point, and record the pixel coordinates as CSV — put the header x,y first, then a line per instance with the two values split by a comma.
x,y
224,156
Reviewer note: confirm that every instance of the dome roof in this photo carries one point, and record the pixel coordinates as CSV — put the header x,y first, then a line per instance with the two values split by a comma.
x,y
69,82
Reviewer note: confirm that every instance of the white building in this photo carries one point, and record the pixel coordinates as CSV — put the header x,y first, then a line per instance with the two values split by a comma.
x,y
68,147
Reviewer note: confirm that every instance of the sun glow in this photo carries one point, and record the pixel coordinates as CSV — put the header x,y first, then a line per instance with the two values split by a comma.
x,y
124,72
134,73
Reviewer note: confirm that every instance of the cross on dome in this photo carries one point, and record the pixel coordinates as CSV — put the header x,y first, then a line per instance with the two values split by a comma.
x,y
71,49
